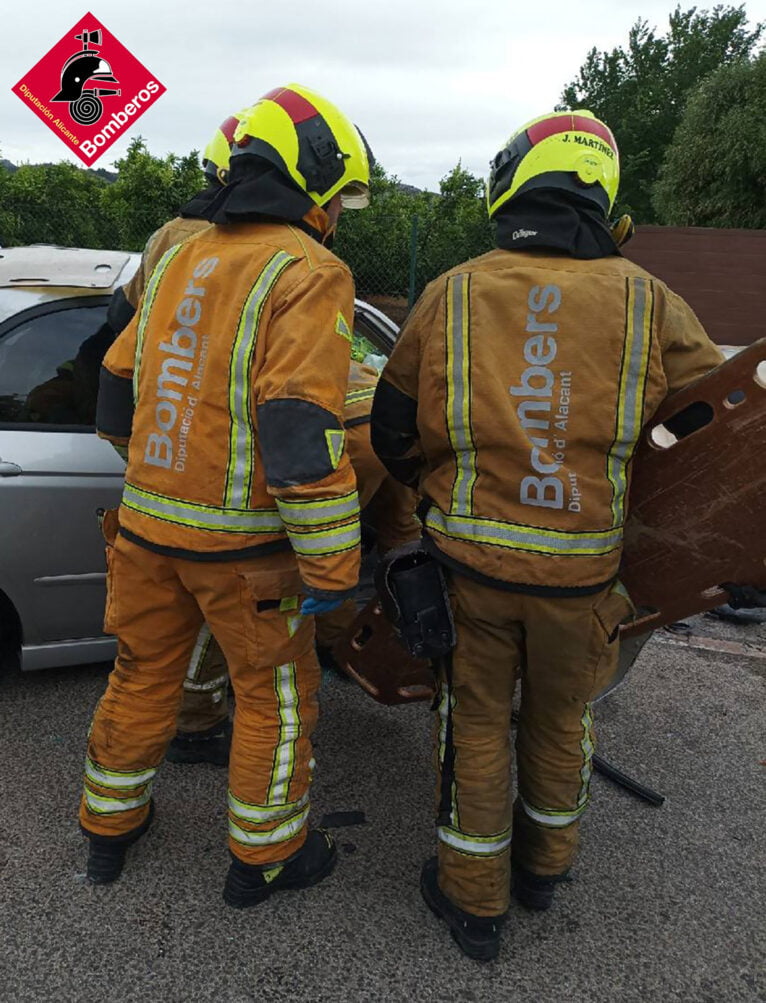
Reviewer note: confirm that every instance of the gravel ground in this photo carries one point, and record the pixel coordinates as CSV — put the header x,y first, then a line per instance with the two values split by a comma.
x,y
667,904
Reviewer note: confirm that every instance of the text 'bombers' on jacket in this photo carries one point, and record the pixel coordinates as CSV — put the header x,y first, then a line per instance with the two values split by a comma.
x,y
515,397
125,300
229,385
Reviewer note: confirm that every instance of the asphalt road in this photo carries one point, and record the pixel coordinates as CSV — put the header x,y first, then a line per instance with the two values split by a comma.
x,y
667,904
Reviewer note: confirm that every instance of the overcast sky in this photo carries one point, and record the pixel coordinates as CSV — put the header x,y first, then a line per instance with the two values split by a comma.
x,y
428,82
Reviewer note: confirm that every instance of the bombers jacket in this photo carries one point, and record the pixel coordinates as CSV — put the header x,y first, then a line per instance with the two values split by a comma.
x,y
126,299
229,384
515,397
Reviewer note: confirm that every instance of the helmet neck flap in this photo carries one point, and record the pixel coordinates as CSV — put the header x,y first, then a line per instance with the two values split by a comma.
x,y
557,220
258,192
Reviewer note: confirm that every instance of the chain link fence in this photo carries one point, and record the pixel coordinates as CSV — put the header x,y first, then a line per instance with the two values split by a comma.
x,y
392,257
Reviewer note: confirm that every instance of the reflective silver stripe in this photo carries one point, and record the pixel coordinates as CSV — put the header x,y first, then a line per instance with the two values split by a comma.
x,y
326,541
476,846
201,516
447,701
117,779
317,512
550,817
277,835
101,805
200,650
240,467
459,394
146,308
264,813
630,401
214,684
518,537
286,686
442,710
586,745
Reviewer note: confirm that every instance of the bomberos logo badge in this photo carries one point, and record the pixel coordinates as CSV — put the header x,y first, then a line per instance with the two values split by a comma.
x,y
89,89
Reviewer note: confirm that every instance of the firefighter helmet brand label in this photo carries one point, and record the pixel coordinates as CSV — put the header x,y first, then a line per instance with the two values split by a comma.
x,y
89,89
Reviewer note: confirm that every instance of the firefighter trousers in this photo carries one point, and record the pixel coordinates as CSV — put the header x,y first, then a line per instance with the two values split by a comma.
x,y
564,652
205,703
157,606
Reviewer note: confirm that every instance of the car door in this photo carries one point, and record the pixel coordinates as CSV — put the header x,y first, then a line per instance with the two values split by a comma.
x,y
55,474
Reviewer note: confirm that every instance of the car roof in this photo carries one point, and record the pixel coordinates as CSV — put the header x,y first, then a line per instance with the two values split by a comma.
x,y
46,266
41,273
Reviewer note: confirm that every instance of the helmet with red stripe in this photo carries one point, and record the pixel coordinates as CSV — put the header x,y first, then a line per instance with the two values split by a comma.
x,y
216,155
569,150
311,141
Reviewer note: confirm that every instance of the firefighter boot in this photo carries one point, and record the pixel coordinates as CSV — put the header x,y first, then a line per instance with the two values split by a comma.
x,y
210,746
476,936
106,856
533,891
249,884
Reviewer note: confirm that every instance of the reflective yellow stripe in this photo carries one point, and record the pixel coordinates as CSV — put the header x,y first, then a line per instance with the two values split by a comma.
x,y
279,834
146,308
117,779
586,746
519,537
317,512
447,702
475,846
286,688
359,396
325,541
198,654
208,517
213,684
101,805
264,812
630,401
239,471
550,817
459,394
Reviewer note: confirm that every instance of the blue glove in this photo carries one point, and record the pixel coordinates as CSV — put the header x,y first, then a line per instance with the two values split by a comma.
x,y
312,607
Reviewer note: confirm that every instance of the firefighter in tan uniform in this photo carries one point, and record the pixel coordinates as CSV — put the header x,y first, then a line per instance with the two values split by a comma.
x,y
191,219
203,719
239,508
203,710
514,400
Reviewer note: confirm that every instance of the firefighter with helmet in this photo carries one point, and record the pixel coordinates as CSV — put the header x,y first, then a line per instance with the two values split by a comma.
x,y
513,401
239,507
190,220
204,728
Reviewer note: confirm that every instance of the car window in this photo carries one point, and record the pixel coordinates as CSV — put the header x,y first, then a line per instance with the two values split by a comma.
x,y
49,367
369,345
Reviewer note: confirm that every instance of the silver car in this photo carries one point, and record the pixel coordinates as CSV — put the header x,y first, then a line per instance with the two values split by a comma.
x,y
55,473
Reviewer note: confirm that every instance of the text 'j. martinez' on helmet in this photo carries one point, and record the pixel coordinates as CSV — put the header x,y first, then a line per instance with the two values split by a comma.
x,y
569,150
217,153
310,140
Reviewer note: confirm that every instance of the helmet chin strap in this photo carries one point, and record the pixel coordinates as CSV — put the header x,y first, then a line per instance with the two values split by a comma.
x,y
329,238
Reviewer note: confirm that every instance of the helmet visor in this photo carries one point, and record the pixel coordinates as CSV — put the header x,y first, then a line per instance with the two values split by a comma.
x,y
355,195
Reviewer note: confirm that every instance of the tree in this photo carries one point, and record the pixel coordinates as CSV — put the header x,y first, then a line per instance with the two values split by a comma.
x,y
148,192
52,204
714,172
455,226
641,91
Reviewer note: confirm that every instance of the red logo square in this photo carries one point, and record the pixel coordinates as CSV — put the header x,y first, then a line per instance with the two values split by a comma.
x,y
89,96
